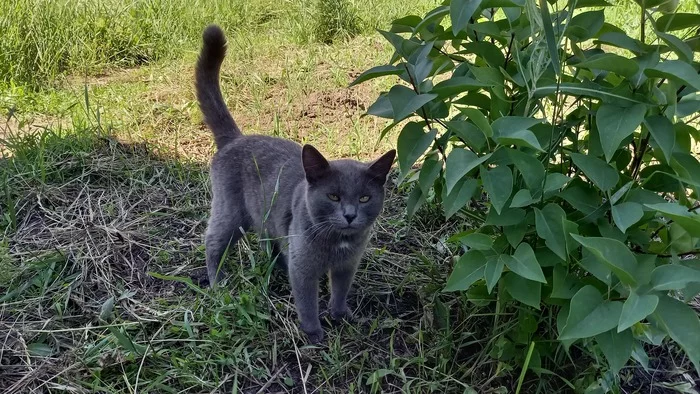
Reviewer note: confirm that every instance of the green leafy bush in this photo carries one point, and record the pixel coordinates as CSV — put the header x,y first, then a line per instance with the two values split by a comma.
x,y
582,138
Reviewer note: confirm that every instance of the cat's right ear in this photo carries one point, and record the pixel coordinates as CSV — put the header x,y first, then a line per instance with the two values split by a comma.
x,y
315,165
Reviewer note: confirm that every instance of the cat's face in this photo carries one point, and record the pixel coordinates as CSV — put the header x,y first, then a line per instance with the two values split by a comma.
x,y
345,196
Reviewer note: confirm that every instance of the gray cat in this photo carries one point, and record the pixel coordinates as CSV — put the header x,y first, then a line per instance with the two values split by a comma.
x,y
317,212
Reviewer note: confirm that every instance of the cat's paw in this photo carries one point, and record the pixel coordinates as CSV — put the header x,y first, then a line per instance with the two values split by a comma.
x,y
341,314
315,336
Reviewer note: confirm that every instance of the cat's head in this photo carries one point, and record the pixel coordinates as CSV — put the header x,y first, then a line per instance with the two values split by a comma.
x,y
345,195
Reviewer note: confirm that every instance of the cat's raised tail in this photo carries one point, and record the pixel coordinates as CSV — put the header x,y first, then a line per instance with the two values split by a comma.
x,y
211,102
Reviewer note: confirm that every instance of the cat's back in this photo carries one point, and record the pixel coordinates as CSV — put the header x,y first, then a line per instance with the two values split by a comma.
x,y
260,154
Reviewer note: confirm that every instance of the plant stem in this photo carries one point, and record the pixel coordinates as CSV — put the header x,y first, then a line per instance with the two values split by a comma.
x,y
641,24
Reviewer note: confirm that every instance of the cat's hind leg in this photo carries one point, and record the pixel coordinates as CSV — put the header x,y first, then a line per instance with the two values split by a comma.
x,y
223,231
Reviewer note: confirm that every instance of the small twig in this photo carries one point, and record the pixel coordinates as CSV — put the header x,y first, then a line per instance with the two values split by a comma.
x,y
510,47
272,379
223,381
637,163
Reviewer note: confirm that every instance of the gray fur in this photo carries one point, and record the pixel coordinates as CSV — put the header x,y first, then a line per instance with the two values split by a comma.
x,y
285,192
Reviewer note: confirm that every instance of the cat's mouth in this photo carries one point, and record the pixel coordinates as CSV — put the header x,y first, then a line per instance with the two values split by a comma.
x,y
349,228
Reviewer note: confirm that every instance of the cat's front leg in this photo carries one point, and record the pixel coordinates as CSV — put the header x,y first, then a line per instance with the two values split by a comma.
x,y
341,280
305,291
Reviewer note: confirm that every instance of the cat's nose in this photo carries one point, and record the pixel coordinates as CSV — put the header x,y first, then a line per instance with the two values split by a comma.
x,y
350,217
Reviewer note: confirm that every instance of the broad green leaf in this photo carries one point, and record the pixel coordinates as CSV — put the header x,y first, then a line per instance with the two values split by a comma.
x,y
468,133
468,269
677,21
676,70
555,181
498,183
617,348
680,240
494,269
582,304
662,131
381,108
678,46
635,309
524,263
613,253
508,217
519,138
617,123
526,291
489,52
688,104
621,40
405,101
681,323
585,25
640,356
601,173
406,24
549,223
402,46
412,143
507,124
687,167
564,286
562,316
477,241
460,13
515,233
434,16
455,86
679,214
584,198
522,198
530,168
419,64
459,163
552,41
646,60
479,120
626,214
415,199
459,196
611,62
621,192
601,319
488,75
597,268
376,72
429,173
673,277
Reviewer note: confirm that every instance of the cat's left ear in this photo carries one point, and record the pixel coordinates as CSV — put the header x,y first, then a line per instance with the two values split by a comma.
x,y
380,168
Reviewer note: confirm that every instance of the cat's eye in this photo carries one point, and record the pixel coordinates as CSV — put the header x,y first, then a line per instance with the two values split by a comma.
x,y
333,197
364,198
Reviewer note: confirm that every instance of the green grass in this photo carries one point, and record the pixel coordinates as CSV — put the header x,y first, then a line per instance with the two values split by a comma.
x,y
105,200
44,39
